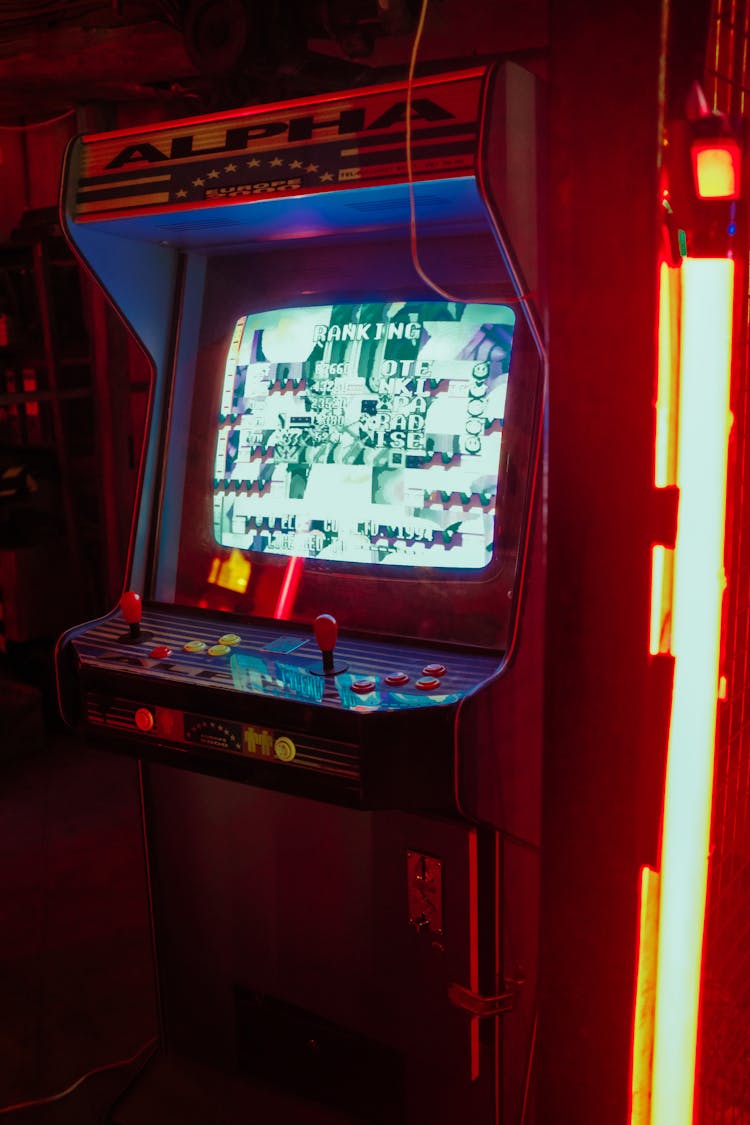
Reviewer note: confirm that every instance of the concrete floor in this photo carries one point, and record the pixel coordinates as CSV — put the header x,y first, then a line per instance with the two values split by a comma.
x,y
76,987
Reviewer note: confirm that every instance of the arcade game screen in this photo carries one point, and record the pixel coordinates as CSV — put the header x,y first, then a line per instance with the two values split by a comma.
x,y
360,449
344,431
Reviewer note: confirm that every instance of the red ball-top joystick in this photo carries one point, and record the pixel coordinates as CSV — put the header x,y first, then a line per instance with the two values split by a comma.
x,y
326,631
131,609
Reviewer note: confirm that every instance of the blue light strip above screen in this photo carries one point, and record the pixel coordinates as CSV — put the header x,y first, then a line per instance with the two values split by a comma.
x,y
386,208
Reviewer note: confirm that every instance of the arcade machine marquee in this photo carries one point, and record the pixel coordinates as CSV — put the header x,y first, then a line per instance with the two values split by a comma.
x,y
326,584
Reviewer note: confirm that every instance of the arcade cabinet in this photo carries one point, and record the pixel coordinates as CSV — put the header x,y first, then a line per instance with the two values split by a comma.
x,y
327,660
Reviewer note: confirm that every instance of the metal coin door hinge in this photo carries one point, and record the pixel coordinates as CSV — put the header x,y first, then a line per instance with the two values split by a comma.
x,y
478,1005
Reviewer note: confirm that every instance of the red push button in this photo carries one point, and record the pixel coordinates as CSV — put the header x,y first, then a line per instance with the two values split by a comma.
x,y
397,678
428,683
144,719
434,670
159,652
362,687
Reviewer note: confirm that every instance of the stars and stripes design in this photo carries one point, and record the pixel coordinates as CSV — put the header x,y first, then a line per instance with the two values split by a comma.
x,y
245,176
254,175
150,179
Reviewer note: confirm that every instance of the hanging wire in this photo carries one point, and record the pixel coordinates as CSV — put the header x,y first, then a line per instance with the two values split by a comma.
x,y
38,124
413,240
33,1102
410,162
13,14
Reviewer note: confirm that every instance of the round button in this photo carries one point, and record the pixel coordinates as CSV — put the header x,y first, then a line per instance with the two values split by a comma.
x,y
195,646
362,687
397,678
144,719
219,650
434,670
284,749
160,651
428,683
229,639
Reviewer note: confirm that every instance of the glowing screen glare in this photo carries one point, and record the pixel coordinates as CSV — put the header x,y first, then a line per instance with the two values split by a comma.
x,y
367,433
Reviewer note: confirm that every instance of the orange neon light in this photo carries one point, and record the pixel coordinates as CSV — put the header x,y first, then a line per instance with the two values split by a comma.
x,y
665,444
665,449
704,419
643,1016
662,579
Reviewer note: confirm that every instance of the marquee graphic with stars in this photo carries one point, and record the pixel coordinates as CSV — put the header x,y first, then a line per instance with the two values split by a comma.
x,y
290,148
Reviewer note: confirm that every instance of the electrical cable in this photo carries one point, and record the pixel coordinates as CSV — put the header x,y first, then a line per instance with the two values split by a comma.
x,y
30,11
529,1072
57,11
410,162
37,124
523,297
11,13
36,8
32,1102
107,1113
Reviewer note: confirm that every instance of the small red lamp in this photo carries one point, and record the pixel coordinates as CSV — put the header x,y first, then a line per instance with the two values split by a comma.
x,y
716,168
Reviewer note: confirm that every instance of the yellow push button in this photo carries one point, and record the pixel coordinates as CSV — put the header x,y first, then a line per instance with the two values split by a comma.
x,y
284,749
195,646
219,650
229,639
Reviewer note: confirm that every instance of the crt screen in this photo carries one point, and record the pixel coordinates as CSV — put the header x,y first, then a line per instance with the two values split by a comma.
x,y
364,433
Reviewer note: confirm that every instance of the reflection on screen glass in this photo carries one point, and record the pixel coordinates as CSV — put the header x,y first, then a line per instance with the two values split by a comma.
x,y
364,433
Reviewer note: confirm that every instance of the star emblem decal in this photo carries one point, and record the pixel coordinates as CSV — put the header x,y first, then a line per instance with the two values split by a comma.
x,y
295,170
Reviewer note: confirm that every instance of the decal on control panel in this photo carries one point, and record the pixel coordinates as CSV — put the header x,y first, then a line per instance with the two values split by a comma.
x,y
294,678
216,734
258,741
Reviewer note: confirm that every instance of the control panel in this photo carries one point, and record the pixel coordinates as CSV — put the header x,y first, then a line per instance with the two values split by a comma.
x,y
355,720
